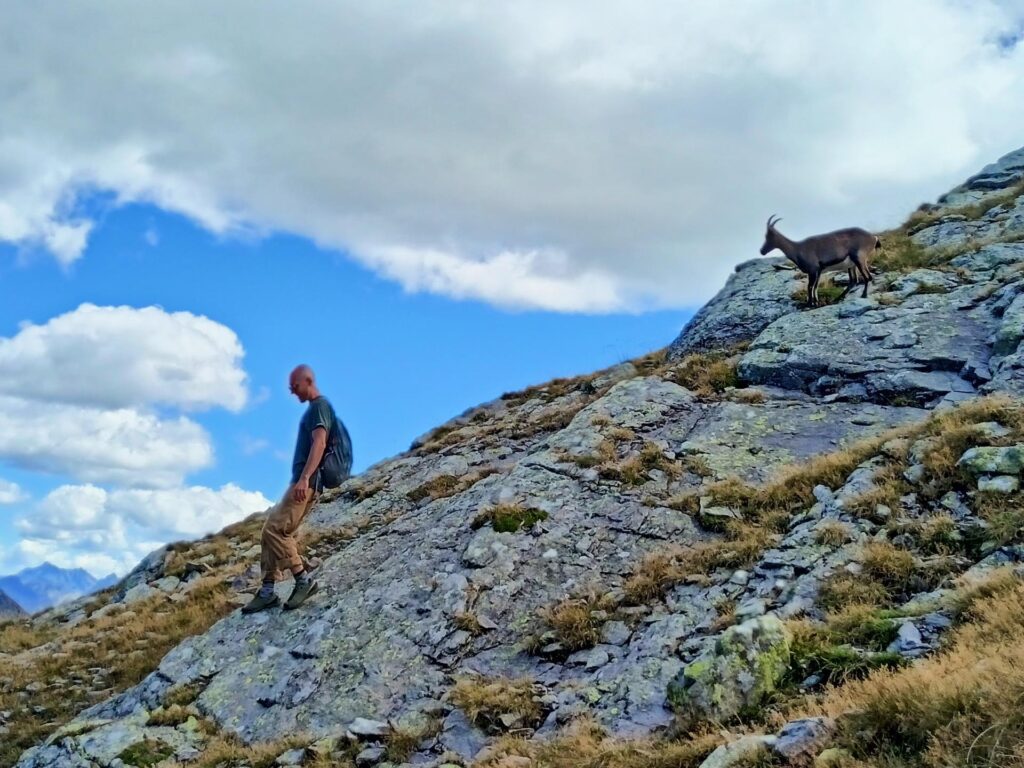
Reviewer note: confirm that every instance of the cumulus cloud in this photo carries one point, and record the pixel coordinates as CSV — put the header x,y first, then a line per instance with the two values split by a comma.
x,y
171,513
530,154
11,493
103,530
116,357
123,445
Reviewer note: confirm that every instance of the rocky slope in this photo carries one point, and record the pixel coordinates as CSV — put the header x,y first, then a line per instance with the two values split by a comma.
x,y
619,550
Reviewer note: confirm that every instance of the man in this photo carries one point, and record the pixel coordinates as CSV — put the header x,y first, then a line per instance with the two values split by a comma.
x,y
323,458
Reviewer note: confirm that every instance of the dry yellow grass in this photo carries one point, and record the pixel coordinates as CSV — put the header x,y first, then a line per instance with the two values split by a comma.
x,y
225,751
485,700
662,569
584,744
832,534
129,644
958,708
575,621
707,375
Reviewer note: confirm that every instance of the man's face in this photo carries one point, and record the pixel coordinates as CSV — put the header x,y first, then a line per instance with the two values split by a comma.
x,y
299,386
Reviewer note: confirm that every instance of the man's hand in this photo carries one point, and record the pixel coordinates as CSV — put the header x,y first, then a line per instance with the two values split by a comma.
x,y
301,489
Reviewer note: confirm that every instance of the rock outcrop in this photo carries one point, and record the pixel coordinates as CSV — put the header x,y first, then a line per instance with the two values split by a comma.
x,y
593,480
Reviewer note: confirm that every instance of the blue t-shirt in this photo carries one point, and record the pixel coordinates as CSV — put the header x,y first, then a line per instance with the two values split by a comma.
x,y
318,414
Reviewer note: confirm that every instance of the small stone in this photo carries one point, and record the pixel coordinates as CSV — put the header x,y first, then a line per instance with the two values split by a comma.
x,y
914,473
371,755
486,622
167,583
510,720
800,740
823,494
291,757
908,642
597,658
990,430
740,577
550,554
615,633
882,512
998,484
139,592
365,728
750,608
187,754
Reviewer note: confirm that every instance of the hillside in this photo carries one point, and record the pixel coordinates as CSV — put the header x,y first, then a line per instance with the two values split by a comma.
x,y
779,537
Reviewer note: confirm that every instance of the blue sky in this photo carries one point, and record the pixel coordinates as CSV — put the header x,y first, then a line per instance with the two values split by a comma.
x,y
431,204
394,363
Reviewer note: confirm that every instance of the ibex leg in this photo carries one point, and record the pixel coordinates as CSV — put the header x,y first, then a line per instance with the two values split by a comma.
x,y
864,273
851,282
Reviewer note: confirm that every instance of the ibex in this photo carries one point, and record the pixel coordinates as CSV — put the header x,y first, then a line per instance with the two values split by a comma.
x,y
848,249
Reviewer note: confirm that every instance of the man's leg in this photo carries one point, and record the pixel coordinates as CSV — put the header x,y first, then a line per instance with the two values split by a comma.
x,y
279,548
305,585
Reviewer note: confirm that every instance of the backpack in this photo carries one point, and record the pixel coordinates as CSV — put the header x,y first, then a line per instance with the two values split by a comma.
x,y
336,465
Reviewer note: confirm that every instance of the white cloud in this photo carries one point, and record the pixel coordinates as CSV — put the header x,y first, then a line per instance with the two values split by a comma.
x,y
125,445
185,512
558,155
10,492
104,530
116,357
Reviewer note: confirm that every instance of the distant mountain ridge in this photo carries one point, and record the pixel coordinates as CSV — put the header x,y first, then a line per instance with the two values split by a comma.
x,y
9,607
46,585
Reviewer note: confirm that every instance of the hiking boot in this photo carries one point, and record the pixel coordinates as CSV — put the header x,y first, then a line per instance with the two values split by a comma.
x,y
302,592
261,603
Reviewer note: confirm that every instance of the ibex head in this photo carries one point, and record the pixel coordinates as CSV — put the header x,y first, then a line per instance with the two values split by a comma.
x,y
770,235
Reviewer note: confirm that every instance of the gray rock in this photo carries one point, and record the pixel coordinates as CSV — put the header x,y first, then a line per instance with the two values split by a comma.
x,y
615,633
999,484
291,757
800,741
370,755
983,460
139,592
368,729
458,735
597,658
758,293
166,584
745,664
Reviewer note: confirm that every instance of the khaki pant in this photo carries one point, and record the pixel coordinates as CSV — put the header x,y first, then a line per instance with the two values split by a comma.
x,y
280,551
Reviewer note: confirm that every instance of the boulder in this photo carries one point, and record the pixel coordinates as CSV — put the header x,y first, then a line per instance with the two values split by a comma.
x,y
990,460
745,665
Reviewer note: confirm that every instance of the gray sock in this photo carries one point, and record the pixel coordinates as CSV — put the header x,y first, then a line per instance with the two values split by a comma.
x,y
266,589
302,577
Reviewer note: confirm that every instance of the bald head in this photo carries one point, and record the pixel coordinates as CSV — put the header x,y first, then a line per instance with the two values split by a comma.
x,y
302,383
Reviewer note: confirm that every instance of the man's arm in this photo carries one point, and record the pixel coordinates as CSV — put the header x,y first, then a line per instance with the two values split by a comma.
x,y
316,452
